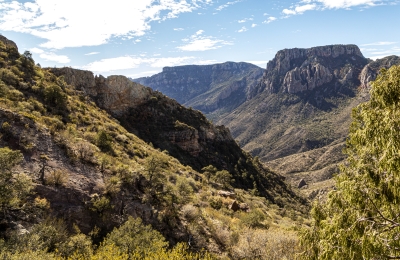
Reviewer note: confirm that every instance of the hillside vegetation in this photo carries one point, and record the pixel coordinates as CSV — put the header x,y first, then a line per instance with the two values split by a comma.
x,y
76,184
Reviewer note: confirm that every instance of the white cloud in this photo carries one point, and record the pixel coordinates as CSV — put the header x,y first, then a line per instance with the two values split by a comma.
x,y
243,29
378,44
131,62
219,8
382,50
92,53
299,9
270,19
253,25
36,50
75,23
50,56
347,3
178,29
245,20
307,5
198,42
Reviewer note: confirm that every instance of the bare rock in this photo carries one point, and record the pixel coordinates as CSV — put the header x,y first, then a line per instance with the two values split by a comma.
x,y
371,71
226,194
244,207
297,70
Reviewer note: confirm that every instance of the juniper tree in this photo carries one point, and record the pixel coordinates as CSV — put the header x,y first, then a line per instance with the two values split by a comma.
x,y
361,218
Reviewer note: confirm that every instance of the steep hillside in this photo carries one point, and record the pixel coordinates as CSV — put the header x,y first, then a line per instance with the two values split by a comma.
x,y
212,89
61,156
185,133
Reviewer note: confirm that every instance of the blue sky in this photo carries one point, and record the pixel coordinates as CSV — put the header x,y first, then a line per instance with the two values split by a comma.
x,y
139,37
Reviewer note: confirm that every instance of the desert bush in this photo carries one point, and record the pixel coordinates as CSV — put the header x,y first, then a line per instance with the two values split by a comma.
x,y
100,204
224,177
215,202
253,219
85,150
55,96
104,141
8,77
190,212
57,178
113,185
184,189
78,246
47,235
133,237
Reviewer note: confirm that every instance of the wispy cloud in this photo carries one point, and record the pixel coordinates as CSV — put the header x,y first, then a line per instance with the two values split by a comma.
x,y
245,20
380,49
92,53
62,24
336,4
199,42
243,29
50,56
219,8
270,19
178,29
131,62
300,9
378,44
307,5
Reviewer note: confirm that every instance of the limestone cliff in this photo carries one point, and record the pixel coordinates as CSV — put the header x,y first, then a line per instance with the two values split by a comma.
x,y
298,70
370,72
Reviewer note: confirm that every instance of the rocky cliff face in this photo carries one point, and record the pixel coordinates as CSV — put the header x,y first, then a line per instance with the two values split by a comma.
x,y
298,70
371,71
116,94
206,87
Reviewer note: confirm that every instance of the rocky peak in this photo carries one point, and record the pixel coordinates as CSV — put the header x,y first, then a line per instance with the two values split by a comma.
x,y
116,94
8,43
371,71
298,70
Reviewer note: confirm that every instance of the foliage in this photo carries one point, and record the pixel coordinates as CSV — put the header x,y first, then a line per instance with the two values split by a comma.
x,y
104,141
253,219
133,237
55,96
12,188
57,178
361,218
225,178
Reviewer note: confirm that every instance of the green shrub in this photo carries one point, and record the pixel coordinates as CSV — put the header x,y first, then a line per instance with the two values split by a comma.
x,y
104,141
133,237
55,96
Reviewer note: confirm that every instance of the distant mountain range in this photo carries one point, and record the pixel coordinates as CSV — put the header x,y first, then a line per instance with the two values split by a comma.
x,y
212,89
294,115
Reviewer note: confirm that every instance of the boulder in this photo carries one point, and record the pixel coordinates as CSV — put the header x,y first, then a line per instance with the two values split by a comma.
x,y
226,194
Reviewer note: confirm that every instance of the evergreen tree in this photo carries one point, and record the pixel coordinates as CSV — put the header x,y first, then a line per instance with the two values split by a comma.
x,y
361,218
